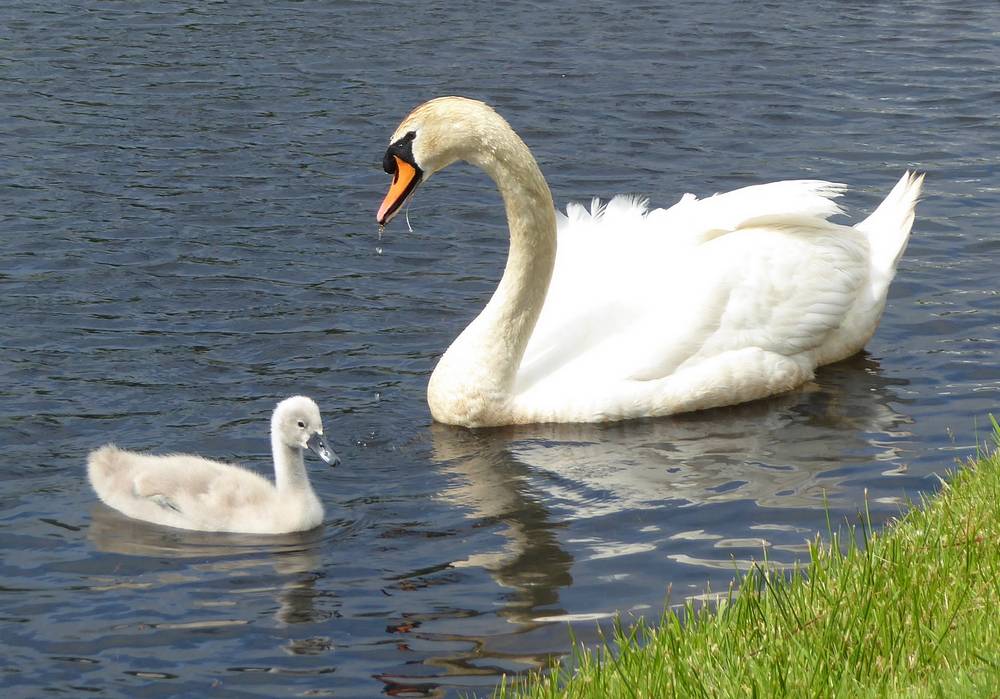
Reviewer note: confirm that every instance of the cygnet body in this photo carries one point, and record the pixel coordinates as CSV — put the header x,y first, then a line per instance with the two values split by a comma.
x,y
190,492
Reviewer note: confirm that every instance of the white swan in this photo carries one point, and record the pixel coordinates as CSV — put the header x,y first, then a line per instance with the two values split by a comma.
x,y
189,492
647,312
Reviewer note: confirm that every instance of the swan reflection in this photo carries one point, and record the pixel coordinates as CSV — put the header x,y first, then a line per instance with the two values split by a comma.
x,y
799,450
292,563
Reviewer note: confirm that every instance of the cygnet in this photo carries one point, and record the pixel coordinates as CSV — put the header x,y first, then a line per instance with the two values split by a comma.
x,y
190,492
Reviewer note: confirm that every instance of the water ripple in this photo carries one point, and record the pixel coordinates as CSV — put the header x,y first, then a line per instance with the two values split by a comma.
x,y
186,200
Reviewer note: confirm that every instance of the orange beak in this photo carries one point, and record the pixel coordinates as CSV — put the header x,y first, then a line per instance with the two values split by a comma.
x,y
404,181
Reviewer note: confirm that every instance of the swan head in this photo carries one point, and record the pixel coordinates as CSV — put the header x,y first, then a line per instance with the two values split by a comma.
x,y
432,137
297,423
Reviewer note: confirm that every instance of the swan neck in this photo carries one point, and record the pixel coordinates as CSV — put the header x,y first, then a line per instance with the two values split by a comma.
x,y
480,367
289,467
517,302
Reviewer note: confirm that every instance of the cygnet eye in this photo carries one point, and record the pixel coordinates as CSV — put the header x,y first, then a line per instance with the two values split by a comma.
x,y
301,424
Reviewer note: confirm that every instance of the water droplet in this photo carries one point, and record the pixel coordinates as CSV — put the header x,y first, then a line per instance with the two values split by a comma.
x,y
378,250
378,396
381,227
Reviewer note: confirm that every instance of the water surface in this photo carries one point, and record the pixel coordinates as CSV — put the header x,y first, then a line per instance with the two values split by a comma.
x,y
187,198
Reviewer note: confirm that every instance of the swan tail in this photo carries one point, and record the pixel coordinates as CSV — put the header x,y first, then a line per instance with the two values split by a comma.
x,y
107,472
888,227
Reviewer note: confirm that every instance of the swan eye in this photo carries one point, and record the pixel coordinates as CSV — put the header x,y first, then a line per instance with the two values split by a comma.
x,y
302,424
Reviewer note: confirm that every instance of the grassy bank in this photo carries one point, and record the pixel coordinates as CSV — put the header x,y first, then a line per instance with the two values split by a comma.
x,y
915,612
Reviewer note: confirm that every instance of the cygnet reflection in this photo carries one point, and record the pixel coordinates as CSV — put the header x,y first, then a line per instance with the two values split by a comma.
x,y
290,564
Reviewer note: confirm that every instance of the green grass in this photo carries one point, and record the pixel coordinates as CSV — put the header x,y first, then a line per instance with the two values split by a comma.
x,y
914,611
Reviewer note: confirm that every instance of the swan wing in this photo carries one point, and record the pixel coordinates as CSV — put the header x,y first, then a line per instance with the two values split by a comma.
x,y
177,490
164,502
639,294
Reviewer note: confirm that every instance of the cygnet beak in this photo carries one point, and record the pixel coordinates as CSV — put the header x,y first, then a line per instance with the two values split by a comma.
x,y
318,444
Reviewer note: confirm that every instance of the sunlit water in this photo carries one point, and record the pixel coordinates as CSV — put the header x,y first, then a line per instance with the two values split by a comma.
x,y
187,198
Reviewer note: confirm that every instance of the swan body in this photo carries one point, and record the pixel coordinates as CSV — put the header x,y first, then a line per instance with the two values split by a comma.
x,y
622,311
189,492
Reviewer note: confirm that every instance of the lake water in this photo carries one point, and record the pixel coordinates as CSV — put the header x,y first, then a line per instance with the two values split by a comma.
x,y
187,201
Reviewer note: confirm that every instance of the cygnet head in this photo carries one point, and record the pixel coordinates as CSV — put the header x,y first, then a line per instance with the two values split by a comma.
x,y
432,137
297,423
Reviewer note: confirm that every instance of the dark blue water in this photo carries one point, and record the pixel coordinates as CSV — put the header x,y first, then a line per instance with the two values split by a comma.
x,y
187,198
